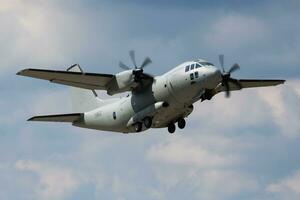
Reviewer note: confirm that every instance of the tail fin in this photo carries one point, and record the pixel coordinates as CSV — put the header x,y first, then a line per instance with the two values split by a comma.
x,y
83,100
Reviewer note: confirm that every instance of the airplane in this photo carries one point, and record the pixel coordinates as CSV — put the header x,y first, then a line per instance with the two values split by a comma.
x,y
152,101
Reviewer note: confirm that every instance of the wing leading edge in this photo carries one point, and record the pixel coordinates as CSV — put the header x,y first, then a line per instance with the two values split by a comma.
x,y
91,81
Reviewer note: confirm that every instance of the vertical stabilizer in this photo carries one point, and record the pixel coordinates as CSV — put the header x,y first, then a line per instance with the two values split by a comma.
x,y
83,100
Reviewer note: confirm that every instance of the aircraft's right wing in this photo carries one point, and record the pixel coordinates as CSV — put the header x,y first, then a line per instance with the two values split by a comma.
x,y
90,81
251,83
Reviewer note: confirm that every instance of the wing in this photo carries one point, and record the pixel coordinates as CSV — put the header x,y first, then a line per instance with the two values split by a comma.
x,y
91,81
58,118
251,83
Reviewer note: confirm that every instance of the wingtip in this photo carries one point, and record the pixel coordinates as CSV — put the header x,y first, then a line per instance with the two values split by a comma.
x,y
30,119
21,72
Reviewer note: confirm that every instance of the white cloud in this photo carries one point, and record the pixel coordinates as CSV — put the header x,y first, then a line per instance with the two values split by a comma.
x,y
207,166
183,151
234,31
216,184
53,182
243,110
287,188
284,107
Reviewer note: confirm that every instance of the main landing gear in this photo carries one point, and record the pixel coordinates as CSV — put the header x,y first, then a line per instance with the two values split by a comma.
x,y
171,128
147,121
181,124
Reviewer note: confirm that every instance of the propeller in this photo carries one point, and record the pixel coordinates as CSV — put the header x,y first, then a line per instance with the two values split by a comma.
x,y
137,71
226,76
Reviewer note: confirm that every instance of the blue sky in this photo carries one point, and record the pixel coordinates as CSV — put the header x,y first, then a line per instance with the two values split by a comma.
x,y
245,147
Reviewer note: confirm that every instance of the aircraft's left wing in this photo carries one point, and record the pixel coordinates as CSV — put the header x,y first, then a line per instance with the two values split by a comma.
x,y
58,118
92,81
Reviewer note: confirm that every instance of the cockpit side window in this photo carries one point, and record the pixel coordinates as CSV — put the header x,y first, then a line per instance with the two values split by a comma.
x,y
187,68
198,66
192,66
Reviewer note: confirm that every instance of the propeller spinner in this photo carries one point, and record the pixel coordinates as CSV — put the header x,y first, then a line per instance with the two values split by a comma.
x,y
137,71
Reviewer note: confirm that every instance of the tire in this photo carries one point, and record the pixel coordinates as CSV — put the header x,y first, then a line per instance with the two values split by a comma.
x,y
181,123
147,122
171,128
138,127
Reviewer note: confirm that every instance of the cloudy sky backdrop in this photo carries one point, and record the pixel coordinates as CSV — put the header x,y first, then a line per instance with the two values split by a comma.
x,y
245,147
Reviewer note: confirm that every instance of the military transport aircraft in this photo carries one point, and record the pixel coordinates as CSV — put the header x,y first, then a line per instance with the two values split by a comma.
x,y
153,102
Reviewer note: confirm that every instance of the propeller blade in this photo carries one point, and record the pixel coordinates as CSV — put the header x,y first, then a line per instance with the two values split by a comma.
x,y
146,62
234,68
132,56
221,60
227,89
123,66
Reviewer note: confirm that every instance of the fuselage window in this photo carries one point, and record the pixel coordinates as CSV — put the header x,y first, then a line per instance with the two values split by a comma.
x,y
192,66
198,66
187,68
192,76
196,74
114,115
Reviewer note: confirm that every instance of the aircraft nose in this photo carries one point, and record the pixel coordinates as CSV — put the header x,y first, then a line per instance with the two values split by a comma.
x,y
214,78
216,74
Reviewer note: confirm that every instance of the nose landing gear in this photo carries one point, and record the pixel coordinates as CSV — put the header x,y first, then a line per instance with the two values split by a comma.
x,y
138,127
147,122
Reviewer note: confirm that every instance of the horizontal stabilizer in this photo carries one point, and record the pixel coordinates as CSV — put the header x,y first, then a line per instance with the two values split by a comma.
x,y
91,81
58,118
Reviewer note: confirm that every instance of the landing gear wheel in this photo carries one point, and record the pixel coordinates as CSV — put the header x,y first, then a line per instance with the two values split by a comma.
x,y
171,128
181,123
147,122
138,127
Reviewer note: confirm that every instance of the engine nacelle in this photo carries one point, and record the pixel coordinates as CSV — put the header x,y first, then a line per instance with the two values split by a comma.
x,y
122,82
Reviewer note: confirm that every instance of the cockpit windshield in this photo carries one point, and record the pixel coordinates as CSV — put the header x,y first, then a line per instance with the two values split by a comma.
x,y
206,64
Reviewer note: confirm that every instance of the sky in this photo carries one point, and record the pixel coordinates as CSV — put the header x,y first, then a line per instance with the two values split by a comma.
x,y
244,147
